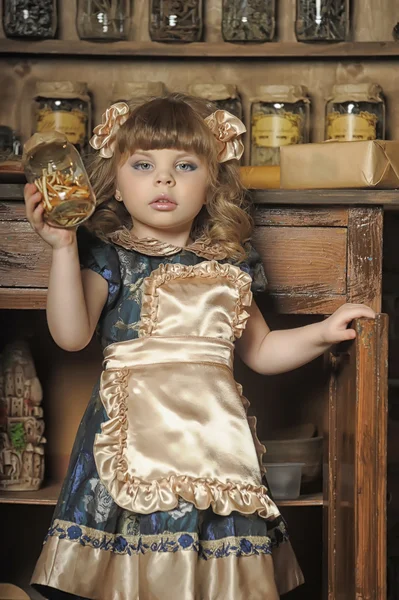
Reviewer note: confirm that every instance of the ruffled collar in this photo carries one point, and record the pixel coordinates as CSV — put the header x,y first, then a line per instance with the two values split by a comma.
x,y
153,247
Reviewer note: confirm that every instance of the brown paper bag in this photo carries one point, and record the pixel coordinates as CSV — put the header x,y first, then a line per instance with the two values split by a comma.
x,y
335,165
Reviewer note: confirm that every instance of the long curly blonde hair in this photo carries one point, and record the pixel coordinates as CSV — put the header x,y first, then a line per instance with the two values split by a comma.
x,y
175,121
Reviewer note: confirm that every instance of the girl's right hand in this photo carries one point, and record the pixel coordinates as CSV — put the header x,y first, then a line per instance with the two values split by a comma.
x,y
56,238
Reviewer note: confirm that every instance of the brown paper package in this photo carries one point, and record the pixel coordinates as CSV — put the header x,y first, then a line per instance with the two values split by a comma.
x,y
335,165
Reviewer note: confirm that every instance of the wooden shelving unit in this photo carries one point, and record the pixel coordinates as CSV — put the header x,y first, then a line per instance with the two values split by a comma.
x,y
46,496
203,50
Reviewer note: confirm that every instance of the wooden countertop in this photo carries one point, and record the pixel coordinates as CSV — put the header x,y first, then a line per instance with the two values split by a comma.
x,y
353,197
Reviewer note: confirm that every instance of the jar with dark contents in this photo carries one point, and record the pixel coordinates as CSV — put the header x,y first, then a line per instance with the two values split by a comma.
x,y
279,116
103,20
176,20
223,96
322,20
355,112
123,91
248,20
30,18
64,106
10,144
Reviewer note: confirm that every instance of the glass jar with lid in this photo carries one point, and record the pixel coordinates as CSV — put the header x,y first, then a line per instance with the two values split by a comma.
x,y
225,96
355,112
176,21
64,106
56,168
248,20
30,18
322,20
123,91
279,116
102,21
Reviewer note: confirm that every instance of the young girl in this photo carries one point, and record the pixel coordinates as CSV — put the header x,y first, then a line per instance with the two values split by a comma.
x,y
165,496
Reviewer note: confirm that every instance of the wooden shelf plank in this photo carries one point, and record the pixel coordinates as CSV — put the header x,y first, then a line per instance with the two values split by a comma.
x,y
348,197
202,50
23,298
305,500
47,495
339,197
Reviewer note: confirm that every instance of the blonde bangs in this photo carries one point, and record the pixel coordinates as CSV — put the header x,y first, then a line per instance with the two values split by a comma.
x,y
166,123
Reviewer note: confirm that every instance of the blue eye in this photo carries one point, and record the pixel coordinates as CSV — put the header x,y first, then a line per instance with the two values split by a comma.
x,y
186,167
142,166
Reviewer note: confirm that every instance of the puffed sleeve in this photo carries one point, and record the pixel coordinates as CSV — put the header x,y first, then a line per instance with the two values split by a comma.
x,y
254,266
102,258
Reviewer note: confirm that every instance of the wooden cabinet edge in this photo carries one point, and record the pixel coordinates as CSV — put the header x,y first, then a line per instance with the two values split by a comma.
x,y
22,298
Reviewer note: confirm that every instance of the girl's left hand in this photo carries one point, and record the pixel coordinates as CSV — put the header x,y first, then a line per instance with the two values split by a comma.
x,y
334,329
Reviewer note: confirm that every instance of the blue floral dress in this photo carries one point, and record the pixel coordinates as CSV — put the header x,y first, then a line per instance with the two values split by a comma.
x,y
95,548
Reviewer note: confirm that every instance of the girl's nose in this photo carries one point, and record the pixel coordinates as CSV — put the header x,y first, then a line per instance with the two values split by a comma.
x,y
165,179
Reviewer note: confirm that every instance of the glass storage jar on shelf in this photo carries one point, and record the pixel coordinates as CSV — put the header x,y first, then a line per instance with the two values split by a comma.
x,y
56,168
30,18
123,91
103,20
248,20
355,112
224,96
279,117
176,20
10,144
322,20
64,106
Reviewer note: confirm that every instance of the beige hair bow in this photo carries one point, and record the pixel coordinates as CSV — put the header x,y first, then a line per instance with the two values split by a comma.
x,y
225,127
104,134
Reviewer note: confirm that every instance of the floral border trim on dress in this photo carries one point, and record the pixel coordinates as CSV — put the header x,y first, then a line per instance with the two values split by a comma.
x,y
166,542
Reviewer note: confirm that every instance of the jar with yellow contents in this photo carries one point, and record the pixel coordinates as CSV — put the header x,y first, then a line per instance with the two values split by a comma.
x,y
57,170
355,112
279,117
64,106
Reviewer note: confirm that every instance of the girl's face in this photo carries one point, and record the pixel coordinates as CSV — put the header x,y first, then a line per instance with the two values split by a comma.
x,y
162,190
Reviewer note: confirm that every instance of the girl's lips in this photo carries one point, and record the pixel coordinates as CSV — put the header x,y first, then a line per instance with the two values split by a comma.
x,y
163,203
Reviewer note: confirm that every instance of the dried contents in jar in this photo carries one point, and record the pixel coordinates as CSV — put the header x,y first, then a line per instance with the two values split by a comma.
x,y
223,96
279,117
355,112
64,106
248,20
57,170
103,19
322,20
30,18
58,187
176,20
